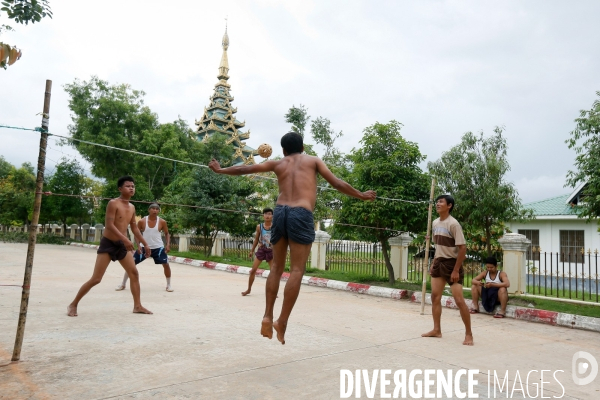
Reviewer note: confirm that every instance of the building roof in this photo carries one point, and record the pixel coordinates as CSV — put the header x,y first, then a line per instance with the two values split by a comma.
x,y
553,206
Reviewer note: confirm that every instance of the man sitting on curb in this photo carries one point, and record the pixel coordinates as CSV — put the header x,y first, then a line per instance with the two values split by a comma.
x,y
493,291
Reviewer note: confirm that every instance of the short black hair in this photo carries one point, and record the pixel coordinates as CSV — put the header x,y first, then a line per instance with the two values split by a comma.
x,y
491,260
292,143
124,179
154,205
449,200
266,210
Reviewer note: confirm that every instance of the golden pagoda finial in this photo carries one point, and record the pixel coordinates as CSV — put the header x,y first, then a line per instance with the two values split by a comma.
x,y
224,66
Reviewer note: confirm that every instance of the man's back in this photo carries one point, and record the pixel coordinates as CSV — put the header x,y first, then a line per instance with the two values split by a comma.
x,y
297,176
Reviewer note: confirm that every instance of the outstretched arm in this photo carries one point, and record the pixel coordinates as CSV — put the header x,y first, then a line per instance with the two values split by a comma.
x,y
242,169
342,186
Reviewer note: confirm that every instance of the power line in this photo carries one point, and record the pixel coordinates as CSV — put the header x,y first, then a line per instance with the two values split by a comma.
x,y
190,163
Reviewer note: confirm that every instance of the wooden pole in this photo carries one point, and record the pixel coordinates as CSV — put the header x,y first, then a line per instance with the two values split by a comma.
x,y
39,185
427,244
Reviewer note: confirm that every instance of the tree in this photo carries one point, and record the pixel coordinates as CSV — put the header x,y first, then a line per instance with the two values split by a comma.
x,y
388,164
298,117
22,12
587,160
68,178
16,195
202,187
5,167
473,173
115,115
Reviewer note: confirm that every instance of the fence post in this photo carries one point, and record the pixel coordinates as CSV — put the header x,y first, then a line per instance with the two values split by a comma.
x,y
85,229
217,249
319,250
98,231
184,242
399,255
514,247
73,231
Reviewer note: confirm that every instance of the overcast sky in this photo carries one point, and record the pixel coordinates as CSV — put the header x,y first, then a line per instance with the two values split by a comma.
x,y
441,68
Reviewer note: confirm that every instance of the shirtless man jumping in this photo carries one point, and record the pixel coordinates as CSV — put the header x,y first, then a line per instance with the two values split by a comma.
x,y
293,223
115,246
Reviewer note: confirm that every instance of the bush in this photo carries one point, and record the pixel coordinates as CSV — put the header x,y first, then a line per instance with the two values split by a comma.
x,y
23,237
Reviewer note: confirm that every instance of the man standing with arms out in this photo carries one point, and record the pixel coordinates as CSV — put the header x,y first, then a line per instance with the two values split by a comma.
x,y
450,252
151,227
293,223
115,246
262,238
493,291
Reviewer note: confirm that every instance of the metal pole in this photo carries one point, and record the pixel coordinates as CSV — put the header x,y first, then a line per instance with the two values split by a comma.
x,y
39,185
427,243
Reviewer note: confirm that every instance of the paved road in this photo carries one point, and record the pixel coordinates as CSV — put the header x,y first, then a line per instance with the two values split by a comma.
x,y
203,340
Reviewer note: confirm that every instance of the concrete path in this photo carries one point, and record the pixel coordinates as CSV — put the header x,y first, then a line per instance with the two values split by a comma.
x,y
203,340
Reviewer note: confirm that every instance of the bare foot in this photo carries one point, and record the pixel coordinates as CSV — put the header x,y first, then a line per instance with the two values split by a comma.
x,y
280,328
71,311
266,328
246,293
468,340
141,310
432,333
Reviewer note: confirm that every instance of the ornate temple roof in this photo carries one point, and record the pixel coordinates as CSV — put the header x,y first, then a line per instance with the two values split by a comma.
x,y
219,116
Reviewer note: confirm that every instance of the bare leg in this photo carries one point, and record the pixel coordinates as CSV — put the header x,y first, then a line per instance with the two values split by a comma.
x,y
252,275
457,293
437,288
503,297
129,265
167,271
102,261
298,256
272,287
475,293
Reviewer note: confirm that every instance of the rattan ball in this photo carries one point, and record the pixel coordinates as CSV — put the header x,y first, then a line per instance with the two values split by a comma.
x,y
265,150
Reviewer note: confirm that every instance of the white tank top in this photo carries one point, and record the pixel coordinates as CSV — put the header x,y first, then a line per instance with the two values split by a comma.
x,y
490,280
152,235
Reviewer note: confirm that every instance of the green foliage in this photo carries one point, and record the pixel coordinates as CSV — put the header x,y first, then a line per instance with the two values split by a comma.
x,y
473,173
25,11
298,117
5,167
23,237
388,164
587,160
16,194
115,115
68,178
202,187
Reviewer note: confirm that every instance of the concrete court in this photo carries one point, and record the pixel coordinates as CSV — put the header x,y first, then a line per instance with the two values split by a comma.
x,y
203,340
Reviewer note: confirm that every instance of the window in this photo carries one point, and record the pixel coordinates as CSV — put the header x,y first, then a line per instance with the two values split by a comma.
x,y
534,236
571,243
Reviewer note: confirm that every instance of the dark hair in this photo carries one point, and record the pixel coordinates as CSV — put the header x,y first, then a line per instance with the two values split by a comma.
x,y
124,179
266,210
154,205
491,260
292,143
449,200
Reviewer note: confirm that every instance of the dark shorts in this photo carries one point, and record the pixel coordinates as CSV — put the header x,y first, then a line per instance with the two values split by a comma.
x,y
293,223
159,256
443,267
264,254
116,250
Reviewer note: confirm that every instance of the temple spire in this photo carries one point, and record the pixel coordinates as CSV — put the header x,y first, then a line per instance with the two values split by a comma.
x,y
224,66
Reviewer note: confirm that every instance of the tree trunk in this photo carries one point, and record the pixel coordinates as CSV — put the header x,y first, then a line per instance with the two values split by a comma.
x,y
386,257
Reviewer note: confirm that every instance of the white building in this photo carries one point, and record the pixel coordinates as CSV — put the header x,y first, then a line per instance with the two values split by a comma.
x,y
556,227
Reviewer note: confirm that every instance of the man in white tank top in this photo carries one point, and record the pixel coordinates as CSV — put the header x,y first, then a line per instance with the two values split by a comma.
x,y
492,291
151,227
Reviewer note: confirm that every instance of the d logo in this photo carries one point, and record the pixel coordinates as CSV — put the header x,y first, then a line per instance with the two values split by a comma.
x,y
583,362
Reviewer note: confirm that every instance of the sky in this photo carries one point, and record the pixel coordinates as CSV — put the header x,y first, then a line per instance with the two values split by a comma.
x,y
441,68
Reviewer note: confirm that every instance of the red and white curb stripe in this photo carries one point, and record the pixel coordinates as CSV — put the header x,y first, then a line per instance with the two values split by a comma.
x,y
520,313
526,314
